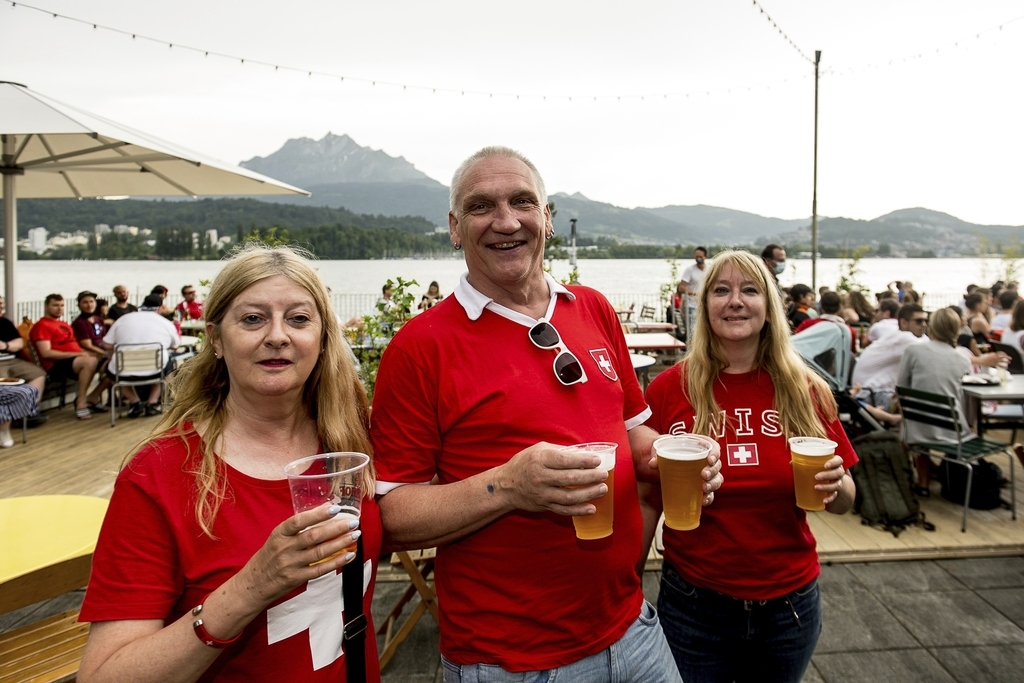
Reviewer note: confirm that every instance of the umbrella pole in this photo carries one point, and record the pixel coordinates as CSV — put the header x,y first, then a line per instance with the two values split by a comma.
x,y
10,228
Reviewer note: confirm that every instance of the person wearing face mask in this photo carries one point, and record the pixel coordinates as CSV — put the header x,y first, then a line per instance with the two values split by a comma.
x,y
690,283
775,259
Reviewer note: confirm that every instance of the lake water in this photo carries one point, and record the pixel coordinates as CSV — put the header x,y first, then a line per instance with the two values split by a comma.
x,y
942,279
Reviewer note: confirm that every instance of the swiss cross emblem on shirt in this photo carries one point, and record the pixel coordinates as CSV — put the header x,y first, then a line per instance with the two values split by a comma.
x,y
604,363
741,454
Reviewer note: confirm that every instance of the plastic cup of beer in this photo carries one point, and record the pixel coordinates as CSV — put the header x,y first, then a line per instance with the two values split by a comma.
x,y
335,478
809,455
599,524
680,461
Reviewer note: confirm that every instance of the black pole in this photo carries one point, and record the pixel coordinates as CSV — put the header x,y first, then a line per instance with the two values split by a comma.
x,y
572,242
814,200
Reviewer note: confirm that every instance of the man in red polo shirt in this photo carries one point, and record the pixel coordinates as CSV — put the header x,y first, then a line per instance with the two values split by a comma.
x,y
62,357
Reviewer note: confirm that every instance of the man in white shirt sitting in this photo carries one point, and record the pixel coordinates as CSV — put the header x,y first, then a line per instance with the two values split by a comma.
x,y
884,321
879,363
145,327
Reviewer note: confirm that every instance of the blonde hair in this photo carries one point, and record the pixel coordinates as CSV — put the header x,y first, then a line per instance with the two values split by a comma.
x,y
944,326
801,397
333,396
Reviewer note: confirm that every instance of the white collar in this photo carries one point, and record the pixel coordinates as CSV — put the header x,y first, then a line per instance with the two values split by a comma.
x,y
474,303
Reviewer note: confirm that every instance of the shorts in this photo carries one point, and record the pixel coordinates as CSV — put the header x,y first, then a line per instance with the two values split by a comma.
x,y
63,369
21,369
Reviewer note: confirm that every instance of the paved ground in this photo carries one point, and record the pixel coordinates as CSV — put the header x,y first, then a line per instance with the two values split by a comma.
x,y
927,621
924,621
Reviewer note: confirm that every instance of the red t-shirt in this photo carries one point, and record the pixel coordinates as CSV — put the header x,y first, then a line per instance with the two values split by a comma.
x,y
58,333
194,308
153,561
753,542
455,397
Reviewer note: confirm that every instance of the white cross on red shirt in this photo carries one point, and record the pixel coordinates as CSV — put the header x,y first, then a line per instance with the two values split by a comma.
x,y
318,609
741,454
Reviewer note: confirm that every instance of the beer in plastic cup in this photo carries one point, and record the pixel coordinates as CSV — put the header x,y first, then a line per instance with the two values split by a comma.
x,y
335,478
809,457
680,461
599,524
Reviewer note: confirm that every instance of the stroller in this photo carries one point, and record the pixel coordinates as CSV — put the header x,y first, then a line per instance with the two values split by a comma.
x,y
826,348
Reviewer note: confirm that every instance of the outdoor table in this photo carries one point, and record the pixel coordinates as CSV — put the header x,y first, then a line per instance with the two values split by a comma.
x,y
641,365
1010,390
40,532
653,341
648,326
194,325
188,341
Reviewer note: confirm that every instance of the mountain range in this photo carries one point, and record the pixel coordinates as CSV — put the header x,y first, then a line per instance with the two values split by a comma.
x,y
341,173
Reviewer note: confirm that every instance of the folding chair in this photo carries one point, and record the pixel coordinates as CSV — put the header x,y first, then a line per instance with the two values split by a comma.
x,y
942,411
145,362
647,312
418,564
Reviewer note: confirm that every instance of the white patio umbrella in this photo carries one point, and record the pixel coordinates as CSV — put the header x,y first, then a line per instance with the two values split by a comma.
x,y
51,149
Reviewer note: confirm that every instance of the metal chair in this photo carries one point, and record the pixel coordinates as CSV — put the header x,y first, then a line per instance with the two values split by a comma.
x,y
942,411
1016,362
145,362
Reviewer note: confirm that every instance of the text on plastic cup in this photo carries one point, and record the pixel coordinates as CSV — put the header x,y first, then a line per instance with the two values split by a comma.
x,y
335,478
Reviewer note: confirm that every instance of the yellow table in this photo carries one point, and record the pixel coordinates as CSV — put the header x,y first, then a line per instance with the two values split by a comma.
x,y
40,531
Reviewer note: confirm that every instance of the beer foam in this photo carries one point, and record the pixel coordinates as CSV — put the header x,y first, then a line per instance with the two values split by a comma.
x,y
810,445
683,447
604,450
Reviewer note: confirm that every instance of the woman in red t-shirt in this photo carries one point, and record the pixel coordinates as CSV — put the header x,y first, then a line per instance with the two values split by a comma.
x,y
739,599
202,570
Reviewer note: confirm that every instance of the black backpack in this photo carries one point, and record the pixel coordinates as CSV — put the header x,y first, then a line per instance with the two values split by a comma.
x,y
984,484
883,478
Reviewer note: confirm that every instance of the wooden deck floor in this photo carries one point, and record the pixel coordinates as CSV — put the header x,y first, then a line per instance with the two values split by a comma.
x,y
82,457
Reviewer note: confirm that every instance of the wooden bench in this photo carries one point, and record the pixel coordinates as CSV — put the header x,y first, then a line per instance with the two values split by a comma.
x,y
48,650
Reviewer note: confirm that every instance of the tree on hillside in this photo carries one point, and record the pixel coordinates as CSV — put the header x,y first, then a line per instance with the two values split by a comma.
x,y
173,243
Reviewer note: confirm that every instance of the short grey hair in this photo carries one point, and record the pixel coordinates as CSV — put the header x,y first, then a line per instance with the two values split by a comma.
x,y
487,152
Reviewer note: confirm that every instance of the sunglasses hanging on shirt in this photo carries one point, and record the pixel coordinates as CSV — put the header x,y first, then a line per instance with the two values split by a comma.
x,y
567,367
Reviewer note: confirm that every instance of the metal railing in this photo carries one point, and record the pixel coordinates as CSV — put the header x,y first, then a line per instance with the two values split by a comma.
x,y
348,306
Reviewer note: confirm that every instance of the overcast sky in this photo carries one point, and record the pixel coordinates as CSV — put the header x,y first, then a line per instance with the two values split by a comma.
x,y
726,117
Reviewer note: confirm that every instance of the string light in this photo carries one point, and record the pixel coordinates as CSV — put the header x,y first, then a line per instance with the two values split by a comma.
x,y
456,91
957,45
781,32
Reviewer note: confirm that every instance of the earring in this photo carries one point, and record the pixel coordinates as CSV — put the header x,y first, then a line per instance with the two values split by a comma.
x,y
457,246
549,235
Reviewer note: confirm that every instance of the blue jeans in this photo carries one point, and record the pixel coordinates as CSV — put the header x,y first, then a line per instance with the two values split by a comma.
x,y
640,656
716,638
